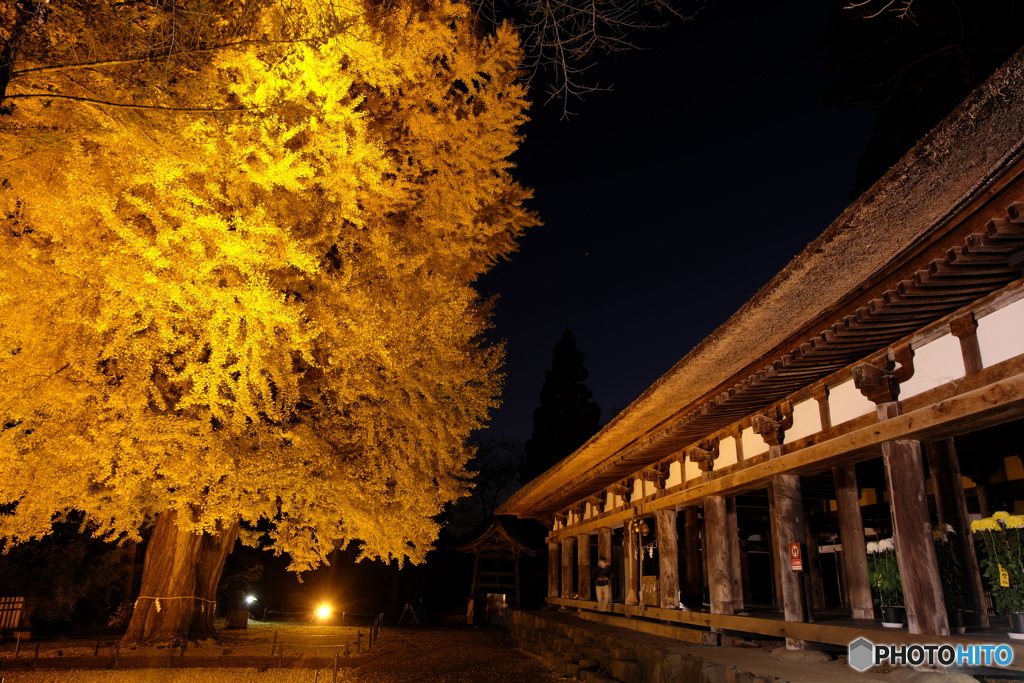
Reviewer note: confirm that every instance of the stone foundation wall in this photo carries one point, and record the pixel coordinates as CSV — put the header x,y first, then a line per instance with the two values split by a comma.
x,y
598,654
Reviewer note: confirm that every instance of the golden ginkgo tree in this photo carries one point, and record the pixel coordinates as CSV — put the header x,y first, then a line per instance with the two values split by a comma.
x,y
236,276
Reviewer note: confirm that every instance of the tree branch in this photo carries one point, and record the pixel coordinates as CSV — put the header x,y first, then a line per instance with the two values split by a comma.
x,y
128,106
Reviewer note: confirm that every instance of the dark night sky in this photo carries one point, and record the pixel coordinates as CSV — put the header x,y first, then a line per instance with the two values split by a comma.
x,y
671,200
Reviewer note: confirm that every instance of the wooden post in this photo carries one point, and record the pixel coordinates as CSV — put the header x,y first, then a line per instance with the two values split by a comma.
x,y
788,527
908,502
694,576
553,568
718,549
951,503
912,531
851,535
631,552
812,565
583,564
733,538
668,557
965,328
567,586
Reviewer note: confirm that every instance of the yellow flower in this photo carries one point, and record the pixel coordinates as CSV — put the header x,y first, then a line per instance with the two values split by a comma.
x,y
1013,521
1002,514
987,524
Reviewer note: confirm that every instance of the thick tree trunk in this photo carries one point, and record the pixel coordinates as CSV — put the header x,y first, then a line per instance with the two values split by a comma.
x,y
163,611
213,552
180,573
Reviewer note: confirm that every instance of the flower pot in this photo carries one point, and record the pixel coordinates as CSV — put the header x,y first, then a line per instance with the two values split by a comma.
x,y
892,617
1017,626
956,621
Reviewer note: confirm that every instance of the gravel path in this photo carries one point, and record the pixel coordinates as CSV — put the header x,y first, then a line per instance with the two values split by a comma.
x,y
402,655
451,655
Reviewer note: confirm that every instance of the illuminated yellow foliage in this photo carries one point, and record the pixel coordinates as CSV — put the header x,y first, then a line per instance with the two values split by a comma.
x,y
264,312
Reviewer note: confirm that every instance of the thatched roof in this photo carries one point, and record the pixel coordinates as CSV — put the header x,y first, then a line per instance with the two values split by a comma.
x,y
866,244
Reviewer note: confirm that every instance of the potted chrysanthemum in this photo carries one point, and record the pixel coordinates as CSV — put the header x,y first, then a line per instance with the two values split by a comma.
x,y
886,587
1002,564
951,571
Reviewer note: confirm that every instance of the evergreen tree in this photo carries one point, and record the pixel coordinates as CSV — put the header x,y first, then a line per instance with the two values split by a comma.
x,y
567,416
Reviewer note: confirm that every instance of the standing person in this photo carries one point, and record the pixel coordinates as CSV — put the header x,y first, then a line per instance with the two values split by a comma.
x,y
602,576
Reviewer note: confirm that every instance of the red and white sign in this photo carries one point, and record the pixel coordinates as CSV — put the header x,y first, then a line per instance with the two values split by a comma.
x,y
796,558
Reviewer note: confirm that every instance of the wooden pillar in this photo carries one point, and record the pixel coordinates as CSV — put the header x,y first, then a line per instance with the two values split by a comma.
x,y
718,550
631,555
668,557
851,535
908,501
912,532
583,566
733,537
812,565
951,503
554,566
567,583
604,549
788,527
965,328
694,563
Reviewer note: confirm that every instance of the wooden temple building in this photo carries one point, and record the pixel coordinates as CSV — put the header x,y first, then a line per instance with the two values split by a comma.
x,y
873,388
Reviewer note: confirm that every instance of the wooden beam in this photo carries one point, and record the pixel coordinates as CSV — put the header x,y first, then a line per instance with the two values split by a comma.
x,y
821,632
982,400
681,633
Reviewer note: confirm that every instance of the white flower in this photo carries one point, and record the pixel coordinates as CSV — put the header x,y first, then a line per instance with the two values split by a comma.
x,y
872,548
886,544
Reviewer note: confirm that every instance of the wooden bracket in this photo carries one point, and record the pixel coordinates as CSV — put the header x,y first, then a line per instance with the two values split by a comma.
x,y
904,355
623,489
704,457
963,325
879,385
597,501
772,425
561,517
657,473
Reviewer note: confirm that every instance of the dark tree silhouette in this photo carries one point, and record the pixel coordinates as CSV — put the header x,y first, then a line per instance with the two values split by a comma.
x,y
912,63
567,416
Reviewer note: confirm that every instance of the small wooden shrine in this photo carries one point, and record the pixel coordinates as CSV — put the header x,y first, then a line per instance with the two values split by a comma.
x,y
497,546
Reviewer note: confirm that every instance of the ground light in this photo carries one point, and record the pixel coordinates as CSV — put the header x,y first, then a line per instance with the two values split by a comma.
x,y
323,611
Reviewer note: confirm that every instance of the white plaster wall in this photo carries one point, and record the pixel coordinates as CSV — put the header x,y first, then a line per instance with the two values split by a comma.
x,y
845,402
690,471
638,489
806,420
675,474
935,363
1001,334
726,452
614,501
753,444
